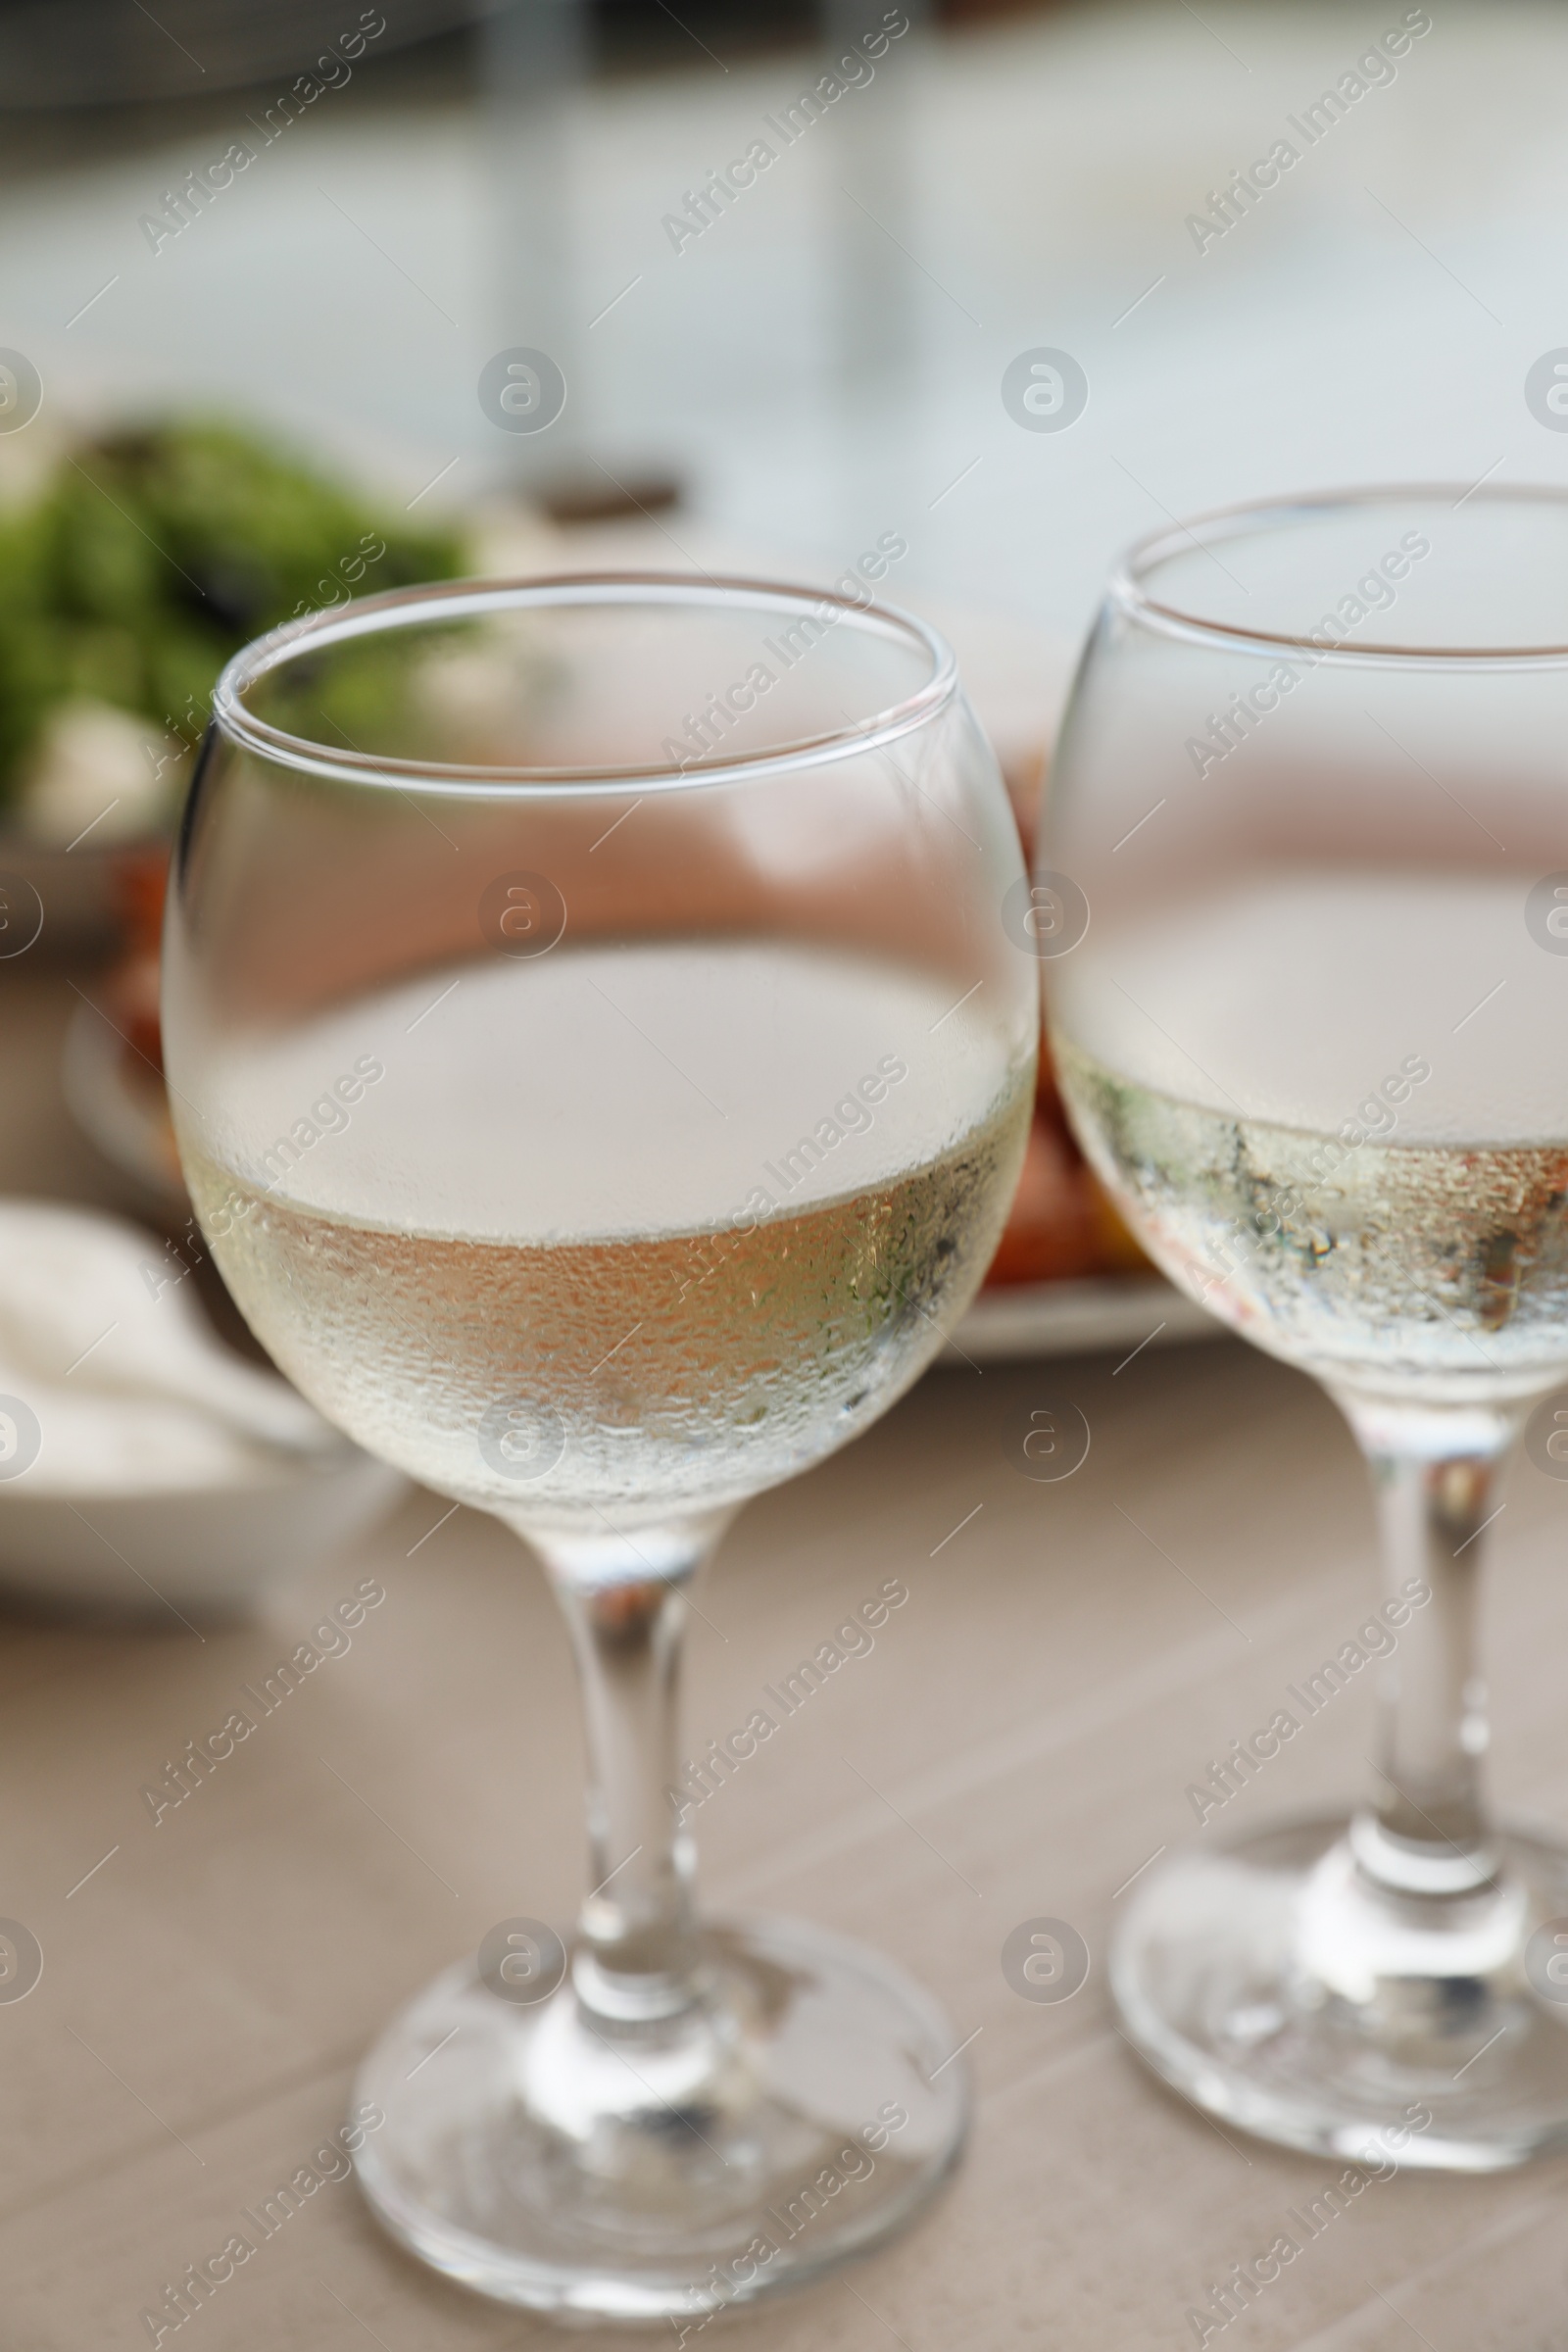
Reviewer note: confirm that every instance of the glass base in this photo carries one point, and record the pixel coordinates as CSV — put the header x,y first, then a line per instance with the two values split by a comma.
x,y
1275,1986
800,2114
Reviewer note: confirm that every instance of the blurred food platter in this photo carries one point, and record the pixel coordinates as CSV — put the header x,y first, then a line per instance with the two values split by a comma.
x,y
1128,1311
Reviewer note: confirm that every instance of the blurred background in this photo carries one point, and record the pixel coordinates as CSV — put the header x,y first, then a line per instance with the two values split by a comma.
x,y
306,299
824,360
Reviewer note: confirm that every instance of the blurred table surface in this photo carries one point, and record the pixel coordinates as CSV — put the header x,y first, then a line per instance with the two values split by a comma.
x,y
1017,1744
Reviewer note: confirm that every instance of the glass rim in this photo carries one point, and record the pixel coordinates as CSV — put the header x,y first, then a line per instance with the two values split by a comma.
x,y
406,608
1128,589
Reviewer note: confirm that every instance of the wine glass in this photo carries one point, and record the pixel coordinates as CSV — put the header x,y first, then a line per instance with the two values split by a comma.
x,y
601,1073
1305,929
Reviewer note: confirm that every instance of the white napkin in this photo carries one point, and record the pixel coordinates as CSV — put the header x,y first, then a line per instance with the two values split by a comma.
x,y
108,1349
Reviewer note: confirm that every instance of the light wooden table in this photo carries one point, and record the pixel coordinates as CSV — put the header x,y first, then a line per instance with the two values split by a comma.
x,y
1017,1744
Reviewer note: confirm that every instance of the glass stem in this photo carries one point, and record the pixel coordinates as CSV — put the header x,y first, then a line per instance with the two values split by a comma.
x,y
625,1602
1436,1473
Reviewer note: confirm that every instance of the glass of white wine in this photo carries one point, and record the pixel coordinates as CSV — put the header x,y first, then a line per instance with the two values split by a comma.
x,y
603,1075
1306,912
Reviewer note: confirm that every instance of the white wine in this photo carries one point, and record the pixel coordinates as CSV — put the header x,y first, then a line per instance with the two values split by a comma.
x,y
1422,1267
1277,1085
622,1231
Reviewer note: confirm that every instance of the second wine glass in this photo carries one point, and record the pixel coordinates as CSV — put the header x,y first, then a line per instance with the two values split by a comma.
x,y
1308,988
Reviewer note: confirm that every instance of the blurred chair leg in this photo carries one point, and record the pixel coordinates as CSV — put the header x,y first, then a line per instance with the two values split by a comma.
x,y
535,57
876,326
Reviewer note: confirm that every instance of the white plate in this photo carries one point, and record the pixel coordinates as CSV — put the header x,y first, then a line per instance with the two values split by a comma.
x,y
206,1552
1071,1318
117,1106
